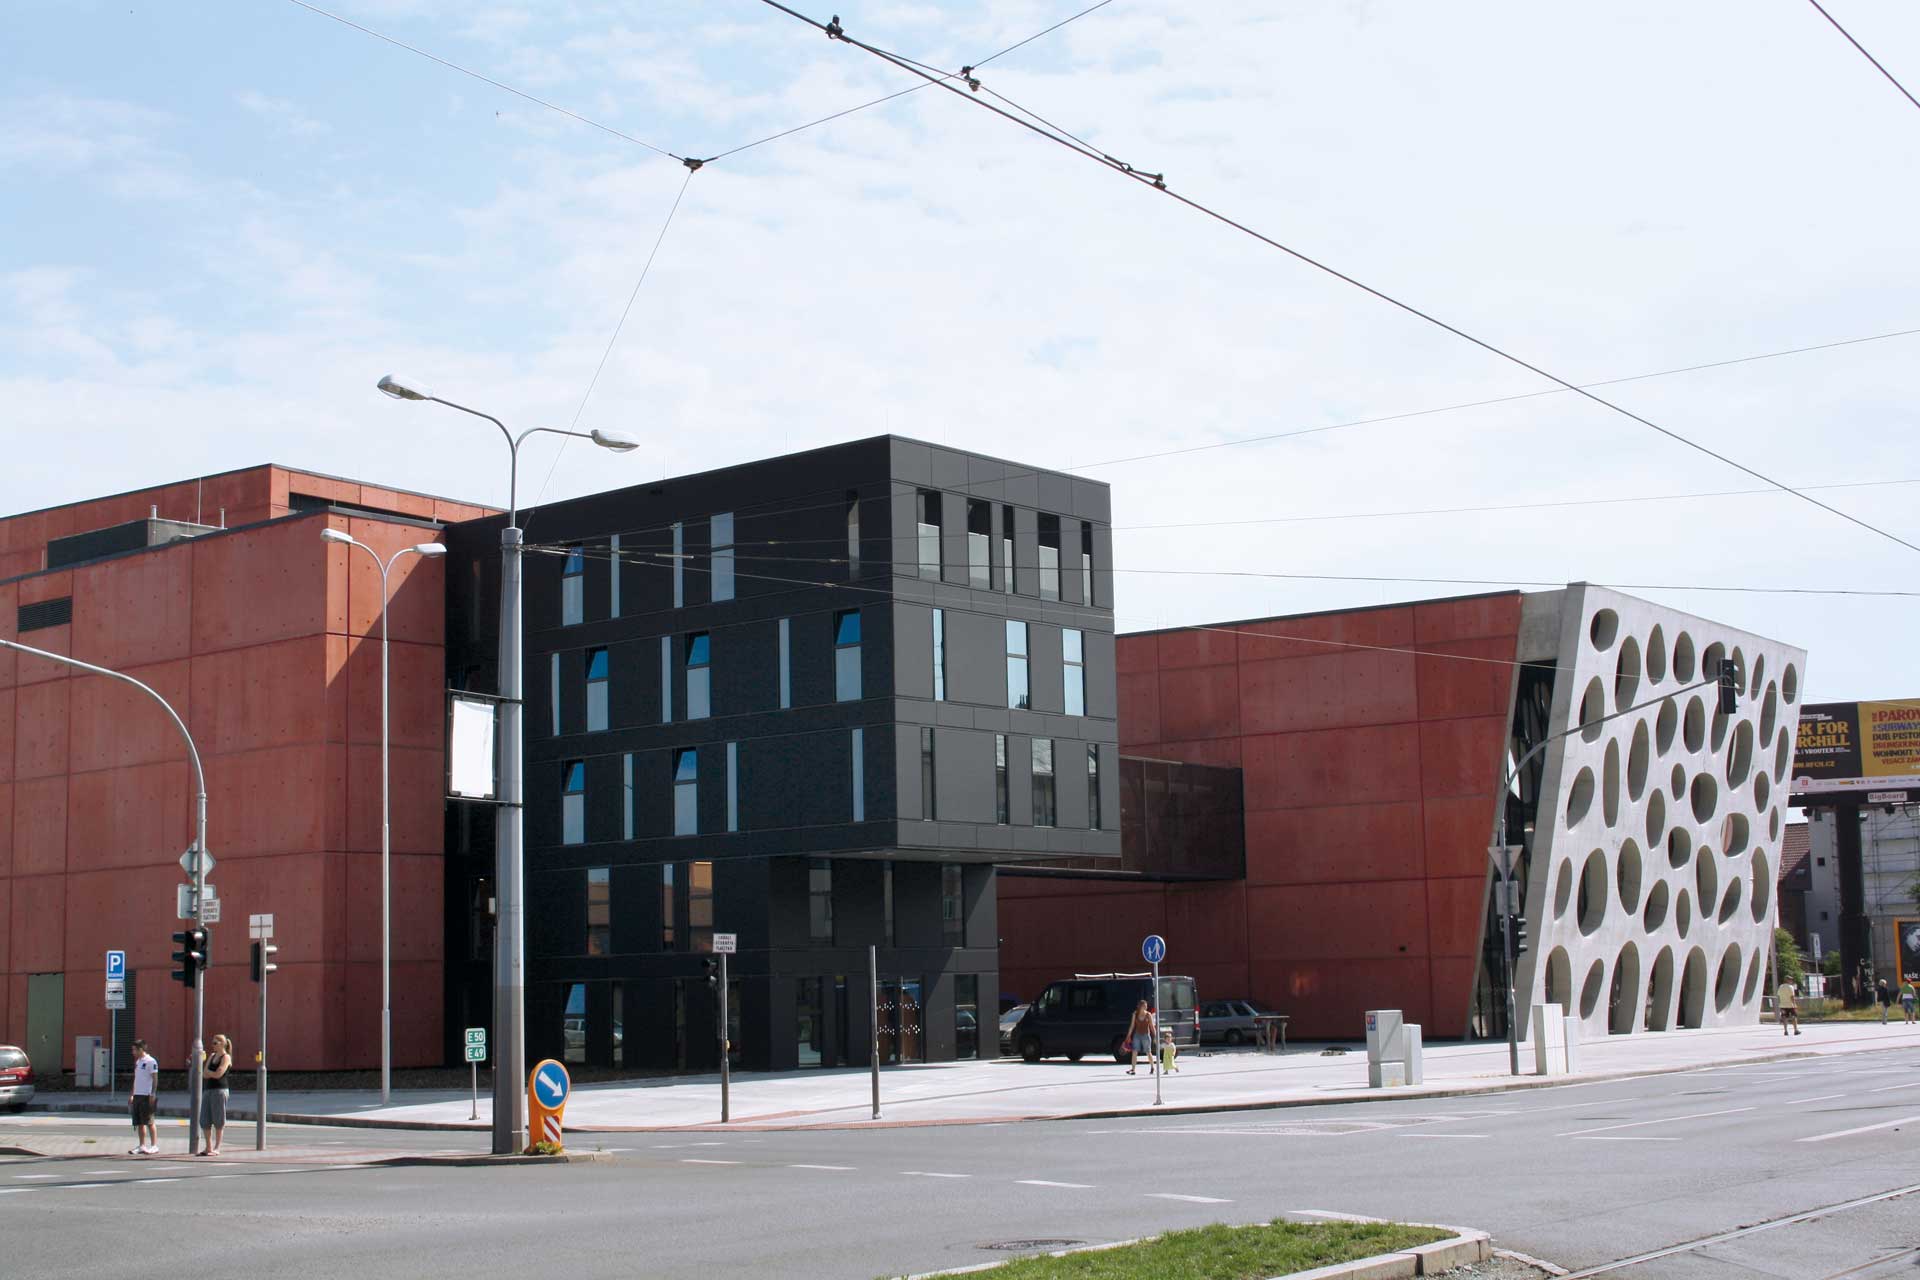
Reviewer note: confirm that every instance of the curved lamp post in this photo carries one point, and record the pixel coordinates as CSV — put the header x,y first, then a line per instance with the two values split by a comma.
x,y
509,952
426,550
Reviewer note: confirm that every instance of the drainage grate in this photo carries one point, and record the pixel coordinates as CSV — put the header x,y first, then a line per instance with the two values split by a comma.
x,y
1022,1246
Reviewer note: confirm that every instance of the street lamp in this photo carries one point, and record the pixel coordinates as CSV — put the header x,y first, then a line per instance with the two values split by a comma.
x,y
509,952
427,550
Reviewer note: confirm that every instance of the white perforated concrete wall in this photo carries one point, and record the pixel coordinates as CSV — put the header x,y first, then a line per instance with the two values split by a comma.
x,y
1650,898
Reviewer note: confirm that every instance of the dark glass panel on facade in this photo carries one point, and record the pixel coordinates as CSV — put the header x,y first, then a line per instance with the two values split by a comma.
x,y
952,924
966,1016
979,538
1043,793
928,529
820,900
1049,557
1018,695
599,912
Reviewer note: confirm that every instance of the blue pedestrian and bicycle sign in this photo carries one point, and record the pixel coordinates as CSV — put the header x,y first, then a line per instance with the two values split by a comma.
x,y
550,1086
1154,949
116,966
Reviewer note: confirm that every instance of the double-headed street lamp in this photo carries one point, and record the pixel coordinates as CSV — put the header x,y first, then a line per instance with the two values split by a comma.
x,y
424,549
509,952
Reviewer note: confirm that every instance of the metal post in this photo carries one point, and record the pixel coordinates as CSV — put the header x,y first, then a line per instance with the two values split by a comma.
x,y
260,1071
1154,1061
509,996
873,1022
475,1113
113,1045
1506,941
386,854
726,1074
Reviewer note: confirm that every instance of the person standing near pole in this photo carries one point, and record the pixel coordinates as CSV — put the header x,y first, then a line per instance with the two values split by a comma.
x,y
213,1095
143,1099
1141,1034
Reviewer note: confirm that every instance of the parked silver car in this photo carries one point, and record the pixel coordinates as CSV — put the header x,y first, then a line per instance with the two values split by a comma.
x,y
1008,1021
16,1077
1228,1022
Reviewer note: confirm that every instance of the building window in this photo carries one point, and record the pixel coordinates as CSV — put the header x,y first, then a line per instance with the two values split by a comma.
x,y
786,663
666,679
686,792
720,537
553,689
613,576
929,808
1043,814
939,655
1000,793
979,539
1010,582
573,1025
927,503
699,676
573,586
952,924
820,900
1073,650
1093,786
700,907
733,786
573,802
966,1016
859,775
599,913
626,796
679,565
1017,696
1049,557
886,903
596,690
1086,562
846,656
809,1020
853,534
669,935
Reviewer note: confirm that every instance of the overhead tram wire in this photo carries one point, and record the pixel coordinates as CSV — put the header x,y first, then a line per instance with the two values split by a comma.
x,y
1863,53
1157,181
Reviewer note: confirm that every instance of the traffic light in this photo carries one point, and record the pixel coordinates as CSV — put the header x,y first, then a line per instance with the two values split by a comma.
x,y
711,968
191,956
1729,687
1518,925
262,960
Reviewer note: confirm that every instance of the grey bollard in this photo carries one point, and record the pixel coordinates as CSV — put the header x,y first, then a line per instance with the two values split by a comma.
x,y
1571,1029
1410,1044
1549,1040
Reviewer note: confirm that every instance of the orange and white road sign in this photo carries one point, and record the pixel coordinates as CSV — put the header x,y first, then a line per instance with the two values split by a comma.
x,y
547,1090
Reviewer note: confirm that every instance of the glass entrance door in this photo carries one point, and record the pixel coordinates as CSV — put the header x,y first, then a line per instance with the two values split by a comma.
x,y
901,1037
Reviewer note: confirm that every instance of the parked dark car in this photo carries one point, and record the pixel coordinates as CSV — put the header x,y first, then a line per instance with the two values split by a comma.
x,y
1008,1021
16,1077
1229,1022
1089,1013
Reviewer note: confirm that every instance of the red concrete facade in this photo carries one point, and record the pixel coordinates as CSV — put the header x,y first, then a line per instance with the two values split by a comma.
x,y
265,639
1369,744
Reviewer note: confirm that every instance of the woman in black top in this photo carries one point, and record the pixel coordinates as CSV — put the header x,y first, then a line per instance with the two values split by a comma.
x,y
213,1094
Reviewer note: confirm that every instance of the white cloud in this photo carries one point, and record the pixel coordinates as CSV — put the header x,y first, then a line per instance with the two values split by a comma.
x,y
281,114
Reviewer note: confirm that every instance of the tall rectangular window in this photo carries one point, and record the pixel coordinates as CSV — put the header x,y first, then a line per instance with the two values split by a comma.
x,y
1018,696
853,534
820,900
720,538
679,565
952,922
1043,812
929,806
553,689
1073,648
573,802
939,655
613,576
1049,557
599,912
846,656
669,932
573,587
699,676
626,796
1001,797
686,792
859,775
1010,582
596,690
786,663
979,538
666,679
886,904
1086,562
1093,786
966,1015
700,908
733,786
927,513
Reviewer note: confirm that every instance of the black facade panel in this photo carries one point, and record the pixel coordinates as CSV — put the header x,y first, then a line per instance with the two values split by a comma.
x,y
976,658
1101,677
963,765
913,651
1044,668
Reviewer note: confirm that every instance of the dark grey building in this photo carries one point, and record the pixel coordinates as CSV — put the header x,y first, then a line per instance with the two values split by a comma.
x,y
810,701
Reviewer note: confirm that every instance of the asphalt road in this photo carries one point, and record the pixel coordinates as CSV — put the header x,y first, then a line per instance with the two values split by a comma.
x,y
1808,1170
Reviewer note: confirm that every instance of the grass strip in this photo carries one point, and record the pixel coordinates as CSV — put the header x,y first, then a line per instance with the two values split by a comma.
x,y
1228,1253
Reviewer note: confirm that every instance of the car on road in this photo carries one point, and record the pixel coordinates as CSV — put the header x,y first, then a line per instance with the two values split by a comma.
x,y
1008,1021
1090,1012
1229,1022
16,1077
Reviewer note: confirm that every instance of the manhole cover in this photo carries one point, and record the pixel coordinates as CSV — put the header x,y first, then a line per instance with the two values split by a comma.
x,y
1021,1246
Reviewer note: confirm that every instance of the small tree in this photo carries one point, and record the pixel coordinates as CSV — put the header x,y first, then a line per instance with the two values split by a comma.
x,y
1830,964
1792,965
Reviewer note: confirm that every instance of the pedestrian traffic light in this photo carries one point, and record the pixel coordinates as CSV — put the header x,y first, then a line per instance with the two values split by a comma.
x,y
191,956
1518,924
711,968
1729,688
262,960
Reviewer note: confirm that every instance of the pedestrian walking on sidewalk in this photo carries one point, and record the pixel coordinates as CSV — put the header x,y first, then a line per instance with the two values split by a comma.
x,y
1787,1004
1907,998
1883,997
213,1095
1141,1037
143,1099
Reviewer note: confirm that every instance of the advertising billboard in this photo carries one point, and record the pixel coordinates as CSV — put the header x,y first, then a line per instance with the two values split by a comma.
x,y
1906,933
1868,748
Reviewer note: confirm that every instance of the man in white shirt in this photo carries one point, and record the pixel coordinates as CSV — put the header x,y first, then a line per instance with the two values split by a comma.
x,y
143,1099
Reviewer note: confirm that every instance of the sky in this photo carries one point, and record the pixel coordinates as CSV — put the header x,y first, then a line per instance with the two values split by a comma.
x,y
221,223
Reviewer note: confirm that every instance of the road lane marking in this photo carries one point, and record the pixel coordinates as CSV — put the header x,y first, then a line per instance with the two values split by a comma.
x,y
1865,1128
82,1186
1824,1097
829,1168
692,1160
1168,1195
1636,1124
1041,1182
34,1177
1891,1087
1625,1137
1443,1135
917,1173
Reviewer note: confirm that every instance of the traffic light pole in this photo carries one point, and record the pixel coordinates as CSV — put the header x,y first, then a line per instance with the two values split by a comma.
x,y
260,1072
200,867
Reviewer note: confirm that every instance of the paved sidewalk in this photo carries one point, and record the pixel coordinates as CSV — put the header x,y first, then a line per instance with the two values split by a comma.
x,y
1009,1090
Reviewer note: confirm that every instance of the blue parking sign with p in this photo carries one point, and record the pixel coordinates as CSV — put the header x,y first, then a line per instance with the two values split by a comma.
x,y
116,966
1154,949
